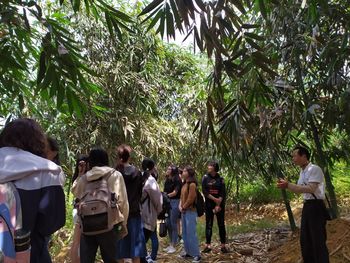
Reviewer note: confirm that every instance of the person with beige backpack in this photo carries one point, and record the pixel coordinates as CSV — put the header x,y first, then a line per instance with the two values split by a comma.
x,y
103,208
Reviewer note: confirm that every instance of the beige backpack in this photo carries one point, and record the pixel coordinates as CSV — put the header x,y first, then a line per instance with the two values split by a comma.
x,y
98,208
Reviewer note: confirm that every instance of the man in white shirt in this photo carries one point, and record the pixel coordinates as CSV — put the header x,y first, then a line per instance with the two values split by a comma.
x,y
313,219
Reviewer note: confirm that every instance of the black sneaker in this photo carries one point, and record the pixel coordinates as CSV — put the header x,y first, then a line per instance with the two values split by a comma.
x,y
196,259
206,250
184,256
224,250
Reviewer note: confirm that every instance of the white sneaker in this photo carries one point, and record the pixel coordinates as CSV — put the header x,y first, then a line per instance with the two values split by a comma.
x,y
151,261
171,250
167,248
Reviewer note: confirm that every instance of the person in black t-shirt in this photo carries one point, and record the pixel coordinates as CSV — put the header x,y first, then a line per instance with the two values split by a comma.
x,y
172,187
214,191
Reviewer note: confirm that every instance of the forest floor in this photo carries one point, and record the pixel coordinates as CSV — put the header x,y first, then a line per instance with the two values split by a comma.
x,y
249,241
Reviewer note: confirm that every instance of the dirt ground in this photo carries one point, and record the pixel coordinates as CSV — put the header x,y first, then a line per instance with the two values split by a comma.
x,y
275,245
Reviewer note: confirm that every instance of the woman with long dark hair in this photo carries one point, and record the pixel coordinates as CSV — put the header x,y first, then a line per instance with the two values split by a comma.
x,y
172,187
23,162
189,214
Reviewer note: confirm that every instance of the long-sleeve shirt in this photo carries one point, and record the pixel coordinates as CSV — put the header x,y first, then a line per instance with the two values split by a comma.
x,y
134,182
188,196
42,198
152,201
115,184
215,186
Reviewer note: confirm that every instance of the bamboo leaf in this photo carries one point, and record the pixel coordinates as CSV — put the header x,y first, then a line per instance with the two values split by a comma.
x,y
117,29
162,24
109,24
260,56
253,44
262,8
76,5
151,14
169,22
264,67
250,26
176,15
254,36
155,20
239,5
26,22
237,44
201,5
150,7
49,76
42,67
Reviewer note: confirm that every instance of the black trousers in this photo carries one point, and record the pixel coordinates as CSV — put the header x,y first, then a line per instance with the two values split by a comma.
x,y
107,243
209,220
313,233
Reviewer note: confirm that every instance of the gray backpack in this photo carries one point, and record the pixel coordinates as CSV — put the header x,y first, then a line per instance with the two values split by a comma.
x,y
98,208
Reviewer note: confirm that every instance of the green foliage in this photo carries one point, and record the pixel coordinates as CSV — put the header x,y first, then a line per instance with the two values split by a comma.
x,y
258,193
37,36
341,180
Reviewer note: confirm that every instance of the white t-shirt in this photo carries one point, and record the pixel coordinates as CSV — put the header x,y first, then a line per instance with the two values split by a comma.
x,y
312,174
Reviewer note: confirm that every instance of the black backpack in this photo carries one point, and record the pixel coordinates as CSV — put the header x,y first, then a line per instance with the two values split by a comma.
x,y
165,207
200,204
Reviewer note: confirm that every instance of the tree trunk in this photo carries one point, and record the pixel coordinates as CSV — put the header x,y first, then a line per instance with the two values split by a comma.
x,y
237,194
293,227
320,156
284,193
323,163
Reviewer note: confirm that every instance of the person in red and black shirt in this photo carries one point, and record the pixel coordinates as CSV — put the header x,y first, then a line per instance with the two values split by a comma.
x,y
213,188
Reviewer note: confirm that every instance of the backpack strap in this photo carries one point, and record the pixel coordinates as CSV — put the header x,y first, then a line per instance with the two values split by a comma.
x,y
144,199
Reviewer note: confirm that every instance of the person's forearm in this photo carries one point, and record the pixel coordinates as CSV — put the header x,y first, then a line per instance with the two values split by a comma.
x,y
309,188
172,194
212,198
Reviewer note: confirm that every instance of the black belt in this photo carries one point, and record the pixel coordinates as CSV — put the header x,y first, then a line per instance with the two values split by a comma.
x,y
313,201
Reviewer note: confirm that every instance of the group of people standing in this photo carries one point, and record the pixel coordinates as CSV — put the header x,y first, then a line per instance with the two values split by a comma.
x,y
141,200
29,160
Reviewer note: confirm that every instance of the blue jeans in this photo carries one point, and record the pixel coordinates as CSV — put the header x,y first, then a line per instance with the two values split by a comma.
x,y
133,245
172,221
155,245
189,233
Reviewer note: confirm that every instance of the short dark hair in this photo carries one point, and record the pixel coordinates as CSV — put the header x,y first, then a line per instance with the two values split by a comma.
x,y
302,151
98,157
147,164
123,152
25,134
214,164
